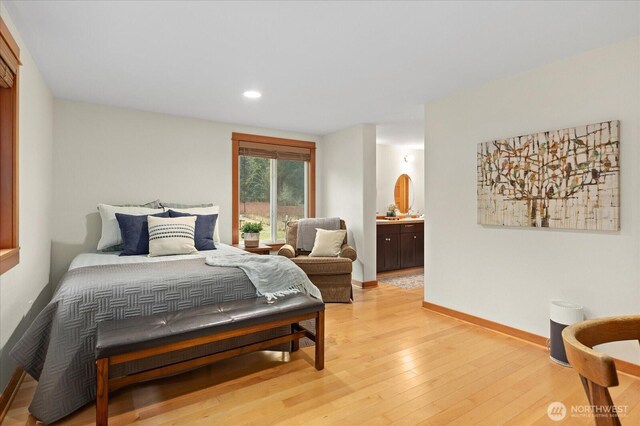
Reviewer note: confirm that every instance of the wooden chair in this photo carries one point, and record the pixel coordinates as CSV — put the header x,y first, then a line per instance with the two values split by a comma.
x,y
597,370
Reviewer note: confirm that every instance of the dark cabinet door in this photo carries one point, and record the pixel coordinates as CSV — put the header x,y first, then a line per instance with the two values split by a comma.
x,y
420,249
380,240
392,252
388,252
407,250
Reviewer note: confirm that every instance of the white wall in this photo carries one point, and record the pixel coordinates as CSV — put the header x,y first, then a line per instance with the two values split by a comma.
x,y
20,286
115,155
389,166
509,275
349,190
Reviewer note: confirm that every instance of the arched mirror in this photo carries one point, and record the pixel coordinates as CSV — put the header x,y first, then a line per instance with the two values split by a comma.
x,y
403,193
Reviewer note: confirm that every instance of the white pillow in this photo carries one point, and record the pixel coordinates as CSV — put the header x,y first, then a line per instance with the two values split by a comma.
x,y
171,235
204,210
328,243
110,229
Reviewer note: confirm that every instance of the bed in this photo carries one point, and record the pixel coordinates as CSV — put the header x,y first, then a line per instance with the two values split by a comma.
x,y
58,348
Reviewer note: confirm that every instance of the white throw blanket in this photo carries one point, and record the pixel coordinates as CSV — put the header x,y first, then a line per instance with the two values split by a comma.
x,y
273,276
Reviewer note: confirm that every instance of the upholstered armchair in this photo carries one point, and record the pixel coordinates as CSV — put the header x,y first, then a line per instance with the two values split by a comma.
x,y
332,275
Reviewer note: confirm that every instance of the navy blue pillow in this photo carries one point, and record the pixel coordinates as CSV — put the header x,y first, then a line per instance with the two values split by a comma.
x,y
205,224
134,230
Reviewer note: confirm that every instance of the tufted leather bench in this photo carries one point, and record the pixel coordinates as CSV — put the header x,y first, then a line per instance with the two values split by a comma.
x,y
121,341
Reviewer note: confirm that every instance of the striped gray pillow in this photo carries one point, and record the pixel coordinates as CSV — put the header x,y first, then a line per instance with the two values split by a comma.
x,y
183,206
155,204
174,235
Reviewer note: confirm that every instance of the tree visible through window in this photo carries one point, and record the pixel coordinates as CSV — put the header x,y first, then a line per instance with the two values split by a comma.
x,y
273,182
272,191
291,194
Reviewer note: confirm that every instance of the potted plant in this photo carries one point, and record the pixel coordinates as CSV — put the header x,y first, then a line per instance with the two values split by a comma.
x,y
391,210
251,233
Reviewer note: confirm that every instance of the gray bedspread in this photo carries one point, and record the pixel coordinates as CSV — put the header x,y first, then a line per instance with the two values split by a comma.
x,y
58,348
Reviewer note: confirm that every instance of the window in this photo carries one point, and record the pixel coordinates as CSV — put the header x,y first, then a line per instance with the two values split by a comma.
x,y
273,182
9,65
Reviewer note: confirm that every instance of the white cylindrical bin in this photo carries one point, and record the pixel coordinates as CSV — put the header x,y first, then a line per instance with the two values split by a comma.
x,y
562,314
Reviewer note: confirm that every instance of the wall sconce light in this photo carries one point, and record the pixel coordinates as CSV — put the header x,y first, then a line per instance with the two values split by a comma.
x,y
409,158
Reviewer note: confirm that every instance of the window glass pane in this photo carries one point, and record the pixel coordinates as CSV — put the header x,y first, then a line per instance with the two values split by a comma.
x,y
255,187
291,193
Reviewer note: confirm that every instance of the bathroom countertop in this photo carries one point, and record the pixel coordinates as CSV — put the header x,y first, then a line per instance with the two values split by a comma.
x,y
396,222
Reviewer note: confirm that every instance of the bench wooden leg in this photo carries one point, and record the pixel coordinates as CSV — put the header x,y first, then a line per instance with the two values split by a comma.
x,y
320,341
295,344
102,392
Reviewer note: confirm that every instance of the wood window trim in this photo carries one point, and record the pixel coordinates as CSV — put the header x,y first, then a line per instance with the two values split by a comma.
x,y
9,200
236,138
9,258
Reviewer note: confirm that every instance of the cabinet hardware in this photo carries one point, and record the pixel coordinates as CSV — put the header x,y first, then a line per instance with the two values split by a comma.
x,y
415,237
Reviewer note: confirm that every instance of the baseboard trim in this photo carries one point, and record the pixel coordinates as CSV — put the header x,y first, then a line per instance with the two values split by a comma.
x,y
495,326
621,365
10,392
366,284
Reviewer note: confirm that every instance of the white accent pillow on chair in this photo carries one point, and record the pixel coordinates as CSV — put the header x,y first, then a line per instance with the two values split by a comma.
x,y
328,243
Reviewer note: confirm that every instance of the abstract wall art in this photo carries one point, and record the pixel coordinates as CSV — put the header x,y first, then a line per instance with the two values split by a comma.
x,y
567,179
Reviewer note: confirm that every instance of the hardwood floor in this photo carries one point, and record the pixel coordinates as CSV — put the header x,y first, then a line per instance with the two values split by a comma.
x,y
388,361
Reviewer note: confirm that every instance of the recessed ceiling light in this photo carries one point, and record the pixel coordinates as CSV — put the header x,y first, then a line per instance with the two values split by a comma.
x,y
252,94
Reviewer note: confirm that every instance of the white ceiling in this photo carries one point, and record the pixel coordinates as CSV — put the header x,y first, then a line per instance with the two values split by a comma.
x,y
321,66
